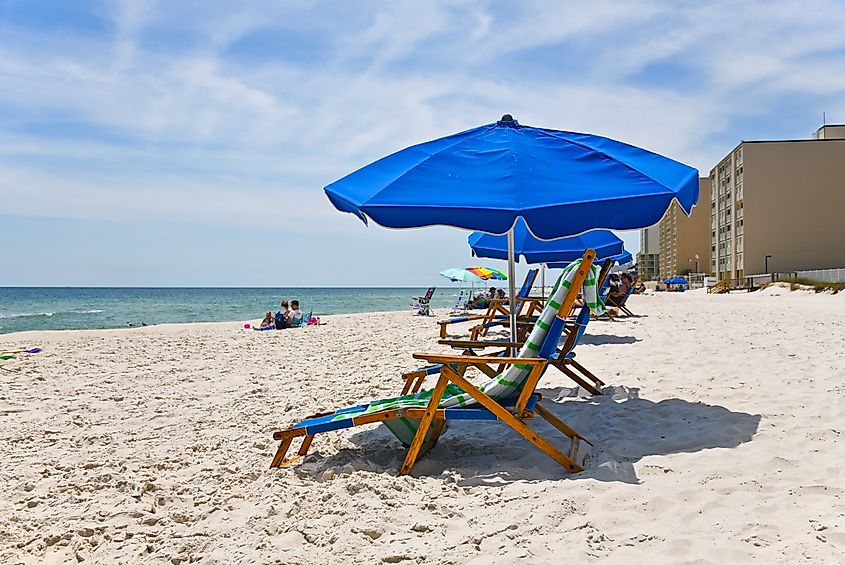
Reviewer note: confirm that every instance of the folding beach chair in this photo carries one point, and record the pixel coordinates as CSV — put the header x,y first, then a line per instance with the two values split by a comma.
x,y
496,309
622,303
422,304
419,419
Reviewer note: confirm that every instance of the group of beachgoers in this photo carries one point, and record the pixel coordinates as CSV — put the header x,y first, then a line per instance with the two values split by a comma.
x,y
482,299
290,316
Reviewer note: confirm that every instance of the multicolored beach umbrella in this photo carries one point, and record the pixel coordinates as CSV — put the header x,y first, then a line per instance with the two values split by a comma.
x,y
487,274
474,275
560,183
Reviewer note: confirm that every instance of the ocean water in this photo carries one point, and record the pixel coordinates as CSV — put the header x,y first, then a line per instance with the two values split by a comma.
x,y
34,308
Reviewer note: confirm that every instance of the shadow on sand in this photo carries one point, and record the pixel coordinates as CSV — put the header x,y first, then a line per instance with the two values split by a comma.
x,y
623,428
588,339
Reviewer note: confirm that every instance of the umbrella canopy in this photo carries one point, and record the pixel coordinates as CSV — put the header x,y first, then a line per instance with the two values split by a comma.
x,y
474,274
675,280
562,183
619,259
623,258
533,250
461,275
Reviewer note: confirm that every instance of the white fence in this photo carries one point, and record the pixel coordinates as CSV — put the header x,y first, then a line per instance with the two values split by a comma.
x,y
824,275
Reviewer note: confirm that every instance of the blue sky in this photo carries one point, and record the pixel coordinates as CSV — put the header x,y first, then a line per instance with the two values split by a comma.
x,y
187,142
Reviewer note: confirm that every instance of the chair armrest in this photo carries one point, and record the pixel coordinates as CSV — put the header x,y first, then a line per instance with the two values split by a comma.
x,y
470,343
471,360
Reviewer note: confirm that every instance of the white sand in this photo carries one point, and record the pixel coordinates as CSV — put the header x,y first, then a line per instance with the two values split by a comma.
x,y
719,441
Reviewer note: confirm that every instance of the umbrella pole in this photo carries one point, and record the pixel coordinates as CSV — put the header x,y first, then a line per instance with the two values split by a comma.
x,y
511,285
543,281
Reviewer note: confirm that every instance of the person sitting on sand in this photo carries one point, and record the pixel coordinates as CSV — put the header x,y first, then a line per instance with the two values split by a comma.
x,y
282,315
500,294
294,315
268,320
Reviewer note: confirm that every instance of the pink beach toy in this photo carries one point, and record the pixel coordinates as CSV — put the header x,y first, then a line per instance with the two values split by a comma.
x,y
246,326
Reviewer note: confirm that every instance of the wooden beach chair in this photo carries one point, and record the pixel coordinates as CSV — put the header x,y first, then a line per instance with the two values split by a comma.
x,y
497,307
510,397
563,359
622,304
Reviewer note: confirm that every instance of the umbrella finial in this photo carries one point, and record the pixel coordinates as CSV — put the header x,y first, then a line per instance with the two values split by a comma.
x,y
507,121
506,118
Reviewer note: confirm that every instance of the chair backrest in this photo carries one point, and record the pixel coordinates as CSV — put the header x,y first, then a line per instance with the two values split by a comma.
x,y
528,283
545,337
604,280
429,293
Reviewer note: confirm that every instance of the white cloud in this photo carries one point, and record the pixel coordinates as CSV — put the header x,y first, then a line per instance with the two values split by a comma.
x,y
192,132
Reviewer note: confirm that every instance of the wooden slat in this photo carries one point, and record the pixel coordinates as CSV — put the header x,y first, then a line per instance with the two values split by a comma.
x,y
440,358
289,433
375,417
425,422
478,344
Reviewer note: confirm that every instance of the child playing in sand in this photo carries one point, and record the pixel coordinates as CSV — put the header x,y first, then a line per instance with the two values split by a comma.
x,y
268,320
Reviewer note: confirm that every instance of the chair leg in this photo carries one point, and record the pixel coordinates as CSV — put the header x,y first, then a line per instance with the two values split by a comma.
x,y
517,424
279,459
575,438
425,423
587,373
281,452
436,432
561,366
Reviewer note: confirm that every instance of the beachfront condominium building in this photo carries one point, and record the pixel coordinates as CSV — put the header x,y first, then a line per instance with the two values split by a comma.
x,y
647,258
684,241
776,206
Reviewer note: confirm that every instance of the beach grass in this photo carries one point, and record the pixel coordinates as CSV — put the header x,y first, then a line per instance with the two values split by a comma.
x,y
797,282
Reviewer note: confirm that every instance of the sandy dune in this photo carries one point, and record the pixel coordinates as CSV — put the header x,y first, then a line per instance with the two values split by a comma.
x,y
719,440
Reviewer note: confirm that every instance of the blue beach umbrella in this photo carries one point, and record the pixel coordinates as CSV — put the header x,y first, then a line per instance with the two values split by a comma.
x,y
561,183
621,259
566,249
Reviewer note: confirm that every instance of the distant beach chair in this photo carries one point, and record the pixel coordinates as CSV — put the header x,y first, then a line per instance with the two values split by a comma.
x,y
526,320
499,309
621,303
302,322
418,420
422,304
